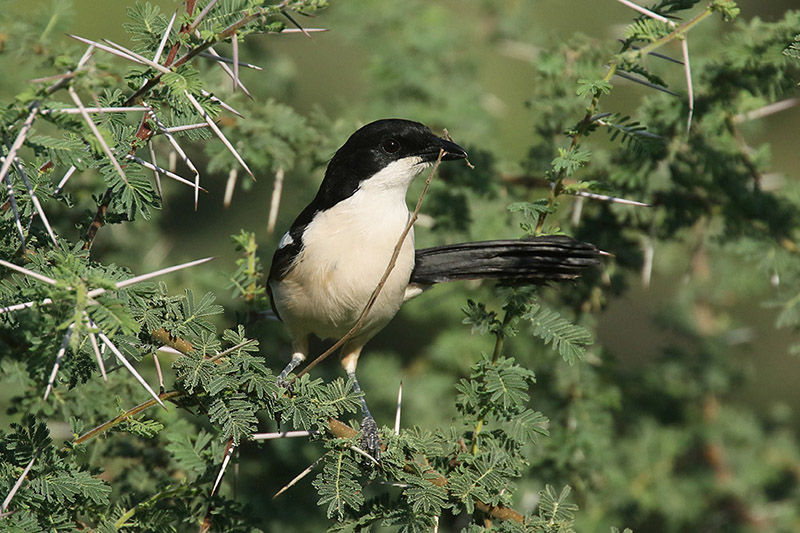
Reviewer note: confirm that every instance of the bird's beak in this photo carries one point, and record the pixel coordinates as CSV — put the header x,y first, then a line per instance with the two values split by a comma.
x,y
451,150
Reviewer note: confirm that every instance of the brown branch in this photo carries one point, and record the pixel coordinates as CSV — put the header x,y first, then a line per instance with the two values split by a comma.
x,y
102,428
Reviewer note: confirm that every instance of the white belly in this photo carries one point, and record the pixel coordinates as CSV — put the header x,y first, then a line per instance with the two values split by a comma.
x,y
345,253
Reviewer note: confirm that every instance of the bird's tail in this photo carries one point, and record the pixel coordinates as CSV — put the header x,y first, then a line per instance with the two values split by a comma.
x,y
530,260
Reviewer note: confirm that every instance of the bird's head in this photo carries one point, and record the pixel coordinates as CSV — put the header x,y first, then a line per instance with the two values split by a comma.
x,y
389,153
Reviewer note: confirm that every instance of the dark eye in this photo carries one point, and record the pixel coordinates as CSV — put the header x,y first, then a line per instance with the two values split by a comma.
x,y
390,146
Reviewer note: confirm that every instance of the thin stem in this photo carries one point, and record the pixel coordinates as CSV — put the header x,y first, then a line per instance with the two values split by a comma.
x,y
498,349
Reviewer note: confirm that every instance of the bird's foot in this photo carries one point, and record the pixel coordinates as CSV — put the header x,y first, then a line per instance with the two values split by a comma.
x,y
370,441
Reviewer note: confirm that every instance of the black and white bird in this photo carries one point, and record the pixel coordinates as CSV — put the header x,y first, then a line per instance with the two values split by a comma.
x,y
331,259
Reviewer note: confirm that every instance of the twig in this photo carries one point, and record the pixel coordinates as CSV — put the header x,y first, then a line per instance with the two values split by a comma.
x,y
102,428
374,297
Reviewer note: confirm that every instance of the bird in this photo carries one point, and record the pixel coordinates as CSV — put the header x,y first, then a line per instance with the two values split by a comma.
x,y
333,256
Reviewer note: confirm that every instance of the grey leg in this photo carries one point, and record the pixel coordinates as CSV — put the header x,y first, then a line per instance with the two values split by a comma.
x,y
370,441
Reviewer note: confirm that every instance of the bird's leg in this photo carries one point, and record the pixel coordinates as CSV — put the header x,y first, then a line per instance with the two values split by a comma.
x,y
370,441
299,349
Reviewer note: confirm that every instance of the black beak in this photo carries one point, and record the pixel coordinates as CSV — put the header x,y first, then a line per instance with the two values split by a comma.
x,y
452,150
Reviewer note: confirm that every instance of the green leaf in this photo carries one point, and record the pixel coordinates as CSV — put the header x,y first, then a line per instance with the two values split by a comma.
x,y
570,340
337,485
569,161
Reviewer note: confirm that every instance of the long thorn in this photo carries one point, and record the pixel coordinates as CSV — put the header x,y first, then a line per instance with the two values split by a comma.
x,y
275,201
59,356
216,129
625,75
130,368
163,43
67,175
35,201
234,75
221,103
647,12
98,355
17,144
399,408
18,484
140,58
230,186
767,110
225,461
110,50
211,54
282,435
155,169
612,199
77,111
31,273
119,285
689,86
187,127
97,134
17,221
235,46
200,16
161,272
298,477
162,170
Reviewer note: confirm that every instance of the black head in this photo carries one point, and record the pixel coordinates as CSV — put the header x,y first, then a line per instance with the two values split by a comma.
x,y
376,146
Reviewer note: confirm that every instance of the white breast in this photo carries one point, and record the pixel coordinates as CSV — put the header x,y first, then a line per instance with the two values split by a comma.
x,y
346,250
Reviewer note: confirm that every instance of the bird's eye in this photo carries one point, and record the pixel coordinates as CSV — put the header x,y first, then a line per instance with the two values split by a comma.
x,y
390,146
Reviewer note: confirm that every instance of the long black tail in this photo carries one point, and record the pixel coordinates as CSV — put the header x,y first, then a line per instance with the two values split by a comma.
x,y
532,260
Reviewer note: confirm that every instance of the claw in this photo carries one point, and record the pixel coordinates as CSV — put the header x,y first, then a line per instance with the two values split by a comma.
x,y
370,441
